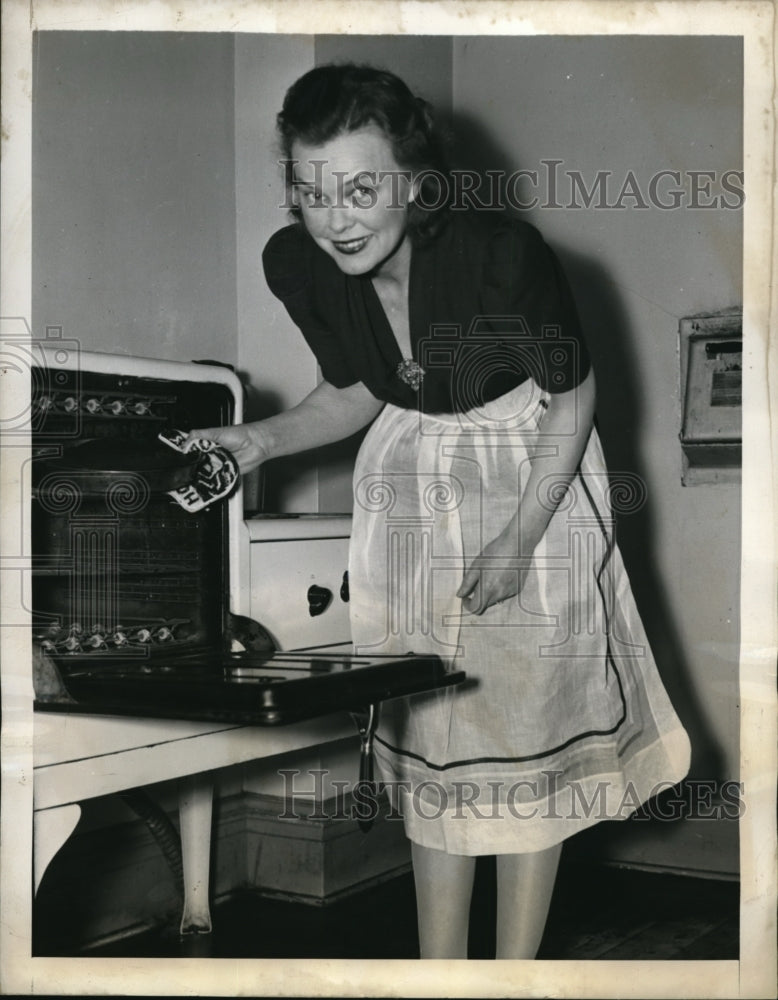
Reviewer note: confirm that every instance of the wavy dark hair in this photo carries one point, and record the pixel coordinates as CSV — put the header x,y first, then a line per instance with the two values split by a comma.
x,y
337,98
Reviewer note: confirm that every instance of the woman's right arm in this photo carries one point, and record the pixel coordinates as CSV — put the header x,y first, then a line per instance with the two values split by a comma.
x,y
326,415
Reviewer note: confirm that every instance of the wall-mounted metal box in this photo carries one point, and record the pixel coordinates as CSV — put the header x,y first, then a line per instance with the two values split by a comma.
x,y
711,379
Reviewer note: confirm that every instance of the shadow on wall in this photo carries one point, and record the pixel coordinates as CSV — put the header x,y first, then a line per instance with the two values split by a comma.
x,y
257,405
618,418
605,323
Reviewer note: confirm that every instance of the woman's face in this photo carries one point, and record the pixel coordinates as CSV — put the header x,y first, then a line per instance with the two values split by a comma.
x,y
354,201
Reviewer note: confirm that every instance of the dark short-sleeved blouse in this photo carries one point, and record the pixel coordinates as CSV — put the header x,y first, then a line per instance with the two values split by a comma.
x,y
489,307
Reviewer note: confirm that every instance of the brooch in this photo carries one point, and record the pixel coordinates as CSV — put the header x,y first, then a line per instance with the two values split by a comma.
x,y
411,373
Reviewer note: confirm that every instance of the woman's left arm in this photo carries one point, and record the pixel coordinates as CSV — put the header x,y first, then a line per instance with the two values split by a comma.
x,y
499,571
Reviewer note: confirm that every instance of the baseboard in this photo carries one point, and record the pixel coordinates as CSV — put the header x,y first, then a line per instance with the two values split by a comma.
x,y
701,841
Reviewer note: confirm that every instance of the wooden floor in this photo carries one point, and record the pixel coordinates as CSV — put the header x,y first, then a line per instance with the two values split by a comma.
x,y
597,912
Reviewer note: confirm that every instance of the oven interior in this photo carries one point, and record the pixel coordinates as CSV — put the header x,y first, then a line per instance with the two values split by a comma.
x,y
120,570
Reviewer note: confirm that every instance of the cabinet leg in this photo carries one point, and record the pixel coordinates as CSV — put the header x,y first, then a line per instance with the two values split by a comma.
x,y
195,807
51,828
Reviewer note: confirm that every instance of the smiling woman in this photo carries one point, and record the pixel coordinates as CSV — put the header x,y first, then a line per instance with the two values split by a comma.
x,y
482,527
354,199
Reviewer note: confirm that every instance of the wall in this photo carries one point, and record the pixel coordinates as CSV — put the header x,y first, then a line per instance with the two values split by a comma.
x,y
423,61
274,360
134,192
640,104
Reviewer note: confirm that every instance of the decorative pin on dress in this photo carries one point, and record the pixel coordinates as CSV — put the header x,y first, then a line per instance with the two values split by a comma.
x,y
411,373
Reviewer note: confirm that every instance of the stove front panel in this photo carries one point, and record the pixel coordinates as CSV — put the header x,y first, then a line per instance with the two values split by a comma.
x,y
299,586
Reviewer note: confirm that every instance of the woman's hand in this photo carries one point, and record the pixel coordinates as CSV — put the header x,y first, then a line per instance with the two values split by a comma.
x,y
500,570
243,440
497,574
325,415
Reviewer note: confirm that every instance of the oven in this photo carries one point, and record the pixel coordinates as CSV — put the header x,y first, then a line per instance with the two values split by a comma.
x,y
146,610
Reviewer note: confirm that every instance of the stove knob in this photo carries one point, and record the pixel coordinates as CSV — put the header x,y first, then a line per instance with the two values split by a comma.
x,y
318,600
94,405
70,403
141,408
117,406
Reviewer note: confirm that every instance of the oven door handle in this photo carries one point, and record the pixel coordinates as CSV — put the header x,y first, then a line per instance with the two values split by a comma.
x,y
366,806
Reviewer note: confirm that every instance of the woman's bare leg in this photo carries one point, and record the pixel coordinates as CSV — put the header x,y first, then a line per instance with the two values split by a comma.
x,y
444,886
524,886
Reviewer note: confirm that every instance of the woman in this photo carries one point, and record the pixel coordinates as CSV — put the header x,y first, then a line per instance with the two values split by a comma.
x,y
481,530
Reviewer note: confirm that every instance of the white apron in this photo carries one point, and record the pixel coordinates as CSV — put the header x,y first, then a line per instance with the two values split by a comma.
x,y
563,720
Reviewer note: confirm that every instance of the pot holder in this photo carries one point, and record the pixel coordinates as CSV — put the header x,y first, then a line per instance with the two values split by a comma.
x,y
216,475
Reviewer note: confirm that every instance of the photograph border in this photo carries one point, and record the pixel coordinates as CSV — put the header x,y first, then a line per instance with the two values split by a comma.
x,y
754,974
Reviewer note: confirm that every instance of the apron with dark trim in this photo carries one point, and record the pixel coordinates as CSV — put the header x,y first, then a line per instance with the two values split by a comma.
x,y
563,720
